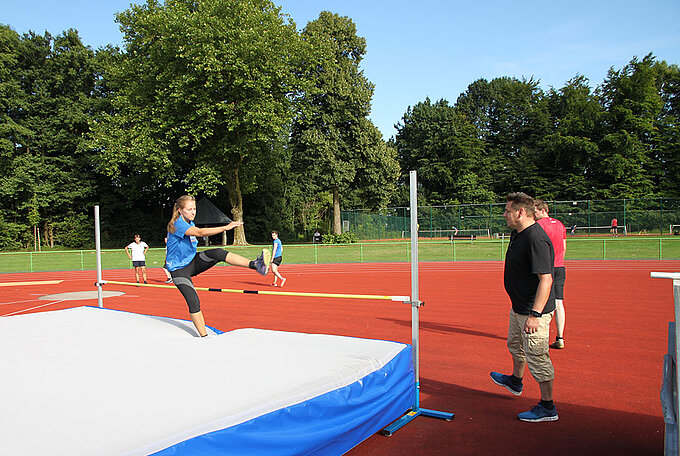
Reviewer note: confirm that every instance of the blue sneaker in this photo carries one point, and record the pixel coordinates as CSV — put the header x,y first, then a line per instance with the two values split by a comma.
x,y
263,261
538,414
504,380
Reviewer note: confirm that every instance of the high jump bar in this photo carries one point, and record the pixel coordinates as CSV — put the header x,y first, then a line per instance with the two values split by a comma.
x,y
267,292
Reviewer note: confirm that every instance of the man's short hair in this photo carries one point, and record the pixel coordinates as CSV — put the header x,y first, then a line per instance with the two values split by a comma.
x,y
541,205
522,200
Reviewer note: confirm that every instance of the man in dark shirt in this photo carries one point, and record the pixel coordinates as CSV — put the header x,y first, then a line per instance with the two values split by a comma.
x,y
528,280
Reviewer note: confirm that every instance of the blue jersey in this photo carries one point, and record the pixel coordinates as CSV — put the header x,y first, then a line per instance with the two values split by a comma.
x,y
181,248
278,248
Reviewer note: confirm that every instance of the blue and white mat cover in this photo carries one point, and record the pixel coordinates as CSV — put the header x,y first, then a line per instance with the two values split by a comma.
x,y
90,381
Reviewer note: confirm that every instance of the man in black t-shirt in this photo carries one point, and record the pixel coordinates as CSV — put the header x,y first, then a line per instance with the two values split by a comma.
x,y
528,280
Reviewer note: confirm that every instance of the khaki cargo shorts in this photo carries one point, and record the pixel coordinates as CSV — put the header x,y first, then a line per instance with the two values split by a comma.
x,y
531,348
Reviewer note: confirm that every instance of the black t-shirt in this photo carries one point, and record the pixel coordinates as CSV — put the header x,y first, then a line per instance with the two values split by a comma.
x,y
530,253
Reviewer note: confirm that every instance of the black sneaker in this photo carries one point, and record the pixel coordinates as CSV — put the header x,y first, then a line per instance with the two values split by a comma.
x,y
559,343
539,413
504,380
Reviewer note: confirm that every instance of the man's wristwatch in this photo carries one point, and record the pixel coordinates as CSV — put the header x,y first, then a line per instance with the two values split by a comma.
x,y
535,314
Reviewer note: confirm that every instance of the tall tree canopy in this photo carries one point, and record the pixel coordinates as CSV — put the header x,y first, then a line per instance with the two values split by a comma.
x,y
667,151
568,156
511,118
202,90
639,151
335,145
620,140
447,151
633,103
47,93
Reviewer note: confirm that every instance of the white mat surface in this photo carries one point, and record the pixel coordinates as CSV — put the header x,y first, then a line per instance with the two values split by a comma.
x,y
88,381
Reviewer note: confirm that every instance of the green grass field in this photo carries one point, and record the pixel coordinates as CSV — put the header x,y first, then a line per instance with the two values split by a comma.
x,y
606,248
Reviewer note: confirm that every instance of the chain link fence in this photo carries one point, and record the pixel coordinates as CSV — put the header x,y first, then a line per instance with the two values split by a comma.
x,y
578,248
659,216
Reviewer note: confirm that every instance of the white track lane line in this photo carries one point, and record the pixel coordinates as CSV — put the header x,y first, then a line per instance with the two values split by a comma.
x,y
18,302
32,308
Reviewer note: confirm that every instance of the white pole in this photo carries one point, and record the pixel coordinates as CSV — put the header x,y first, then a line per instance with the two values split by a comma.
x,y
415,304
675,276
414,273
676,296
98,249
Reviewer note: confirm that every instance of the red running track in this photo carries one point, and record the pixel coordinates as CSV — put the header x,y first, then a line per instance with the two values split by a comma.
x,y
607,378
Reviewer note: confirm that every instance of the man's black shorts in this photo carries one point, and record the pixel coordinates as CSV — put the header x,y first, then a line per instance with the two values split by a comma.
x,y
139,264
559,278
277,260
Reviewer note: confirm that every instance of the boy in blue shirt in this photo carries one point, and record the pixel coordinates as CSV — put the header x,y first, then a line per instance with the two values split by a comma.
x,y
277,252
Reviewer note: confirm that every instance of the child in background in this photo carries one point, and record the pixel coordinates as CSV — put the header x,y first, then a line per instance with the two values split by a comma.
x,y
136,251
277,257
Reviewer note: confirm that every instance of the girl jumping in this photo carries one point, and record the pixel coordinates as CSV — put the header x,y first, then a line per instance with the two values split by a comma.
x,y
183,262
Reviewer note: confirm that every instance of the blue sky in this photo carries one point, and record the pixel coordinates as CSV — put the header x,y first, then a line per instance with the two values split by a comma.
x,y
437,48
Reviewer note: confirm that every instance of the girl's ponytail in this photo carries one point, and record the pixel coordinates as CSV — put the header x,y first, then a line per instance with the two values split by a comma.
x,y
181,202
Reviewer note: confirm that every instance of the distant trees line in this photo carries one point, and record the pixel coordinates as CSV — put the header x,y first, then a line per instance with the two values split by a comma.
x,y
621,140
229,100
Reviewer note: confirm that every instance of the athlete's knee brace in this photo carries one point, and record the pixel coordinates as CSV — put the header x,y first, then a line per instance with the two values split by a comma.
x,y
216,254
186,287
194,304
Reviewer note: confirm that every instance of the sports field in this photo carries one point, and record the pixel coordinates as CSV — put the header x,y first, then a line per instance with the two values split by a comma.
x,y
608,376
578,248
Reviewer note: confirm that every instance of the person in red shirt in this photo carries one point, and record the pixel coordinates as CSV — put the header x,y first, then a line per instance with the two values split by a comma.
x,y
558,236
615,227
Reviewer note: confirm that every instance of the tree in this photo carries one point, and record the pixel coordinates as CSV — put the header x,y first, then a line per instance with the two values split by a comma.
x,y
511,118
445,149
568,157
633,104
11,98
667,156
43,128
202,88
335,147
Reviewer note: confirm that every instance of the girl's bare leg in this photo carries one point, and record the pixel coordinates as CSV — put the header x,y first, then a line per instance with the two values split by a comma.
x,y
277,274
199,323
235,259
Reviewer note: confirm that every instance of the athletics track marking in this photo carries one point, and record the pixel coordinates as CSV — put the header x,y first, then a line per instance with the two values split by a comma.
x,y
36,282
32,308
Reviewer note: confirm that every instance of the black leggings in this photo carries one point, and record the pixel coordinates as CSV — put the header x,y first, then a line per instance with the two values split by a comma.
x,y
182,277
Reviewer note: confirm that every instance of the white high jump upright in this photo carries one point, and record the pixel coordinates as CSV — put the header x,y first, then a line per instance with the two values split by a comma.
x,y
415,324
670,399
98,254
